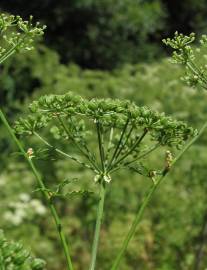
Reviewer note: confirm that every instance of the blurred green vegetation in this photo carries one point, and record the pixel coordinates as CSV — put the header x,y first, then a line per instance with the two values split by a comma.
x,y
107,34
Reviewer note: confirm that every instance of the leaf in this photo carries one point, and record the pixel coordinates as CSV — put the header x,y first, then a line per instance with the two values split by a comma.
x,y
64,183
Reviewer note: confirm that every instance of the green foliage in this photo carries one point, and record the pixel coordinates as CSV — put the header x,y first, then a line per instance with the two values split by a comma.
x,y
14,257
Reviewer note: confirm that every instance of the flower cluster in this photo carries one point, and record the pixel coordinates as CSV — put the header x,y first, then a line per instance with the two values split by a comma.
x,y
110,113
188,56
14,257
120,127
24,209
18,34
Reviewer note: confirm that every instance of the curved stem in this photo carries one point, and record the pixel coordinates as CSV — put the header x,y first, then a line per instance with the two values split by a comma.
x,y
98,226
43,189
146,201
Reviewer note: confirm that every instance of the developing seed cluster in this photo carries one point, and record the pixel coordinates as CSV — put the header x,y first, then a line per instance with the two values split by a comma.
x,y
189,56
14,257
18,34
119,125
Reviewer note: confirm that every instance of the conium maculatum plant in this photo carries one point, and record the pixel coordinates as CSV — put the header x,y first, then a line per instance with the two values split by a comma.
x,y
13,256
125,134
122,132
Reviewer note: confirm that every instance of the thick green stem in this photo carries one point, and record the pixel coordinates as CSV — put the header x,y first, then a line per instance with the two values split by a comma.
x,y
98,225
146,201
43,189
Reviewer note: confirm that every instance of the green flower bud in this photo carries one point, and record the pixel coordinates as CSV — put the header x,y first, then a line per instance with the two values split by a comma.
x,y
38,264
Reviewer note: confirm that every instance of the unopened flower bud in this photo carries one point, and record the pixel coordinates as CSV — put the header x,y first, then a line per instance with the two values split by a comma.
x,y
30,153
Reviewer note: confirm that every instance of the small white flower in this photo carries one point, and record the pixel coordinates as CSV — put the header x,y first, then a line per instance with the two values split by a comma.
x,y
107,178
24,197
96,178
38,207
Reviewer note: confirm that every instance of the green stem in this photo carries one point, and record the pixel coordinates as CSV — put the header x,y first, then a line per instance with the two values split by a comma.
x,y
136,144
76,144
118,145
8,54
109,144
43,189
98,225
64,154
124,143
100,144
146,201
11,51
147,152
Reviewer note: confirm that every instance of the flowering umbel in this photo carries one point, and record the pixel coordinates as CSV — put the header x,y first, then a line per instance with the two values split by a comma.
x,y
184,53
14,256
120,126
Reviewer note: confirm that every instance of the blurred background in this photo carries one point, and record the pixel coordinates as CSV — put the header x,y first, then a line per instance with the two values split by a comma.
x,y
108,48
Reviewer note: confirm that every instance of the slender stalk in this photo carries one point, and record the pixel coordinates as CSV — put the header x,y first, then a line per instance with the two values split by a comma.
x,y
43,189
8,54
146,201
132,148
147,152
65,154
98,226
100,144
109,144
125,142
76,144
11,51
118,144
